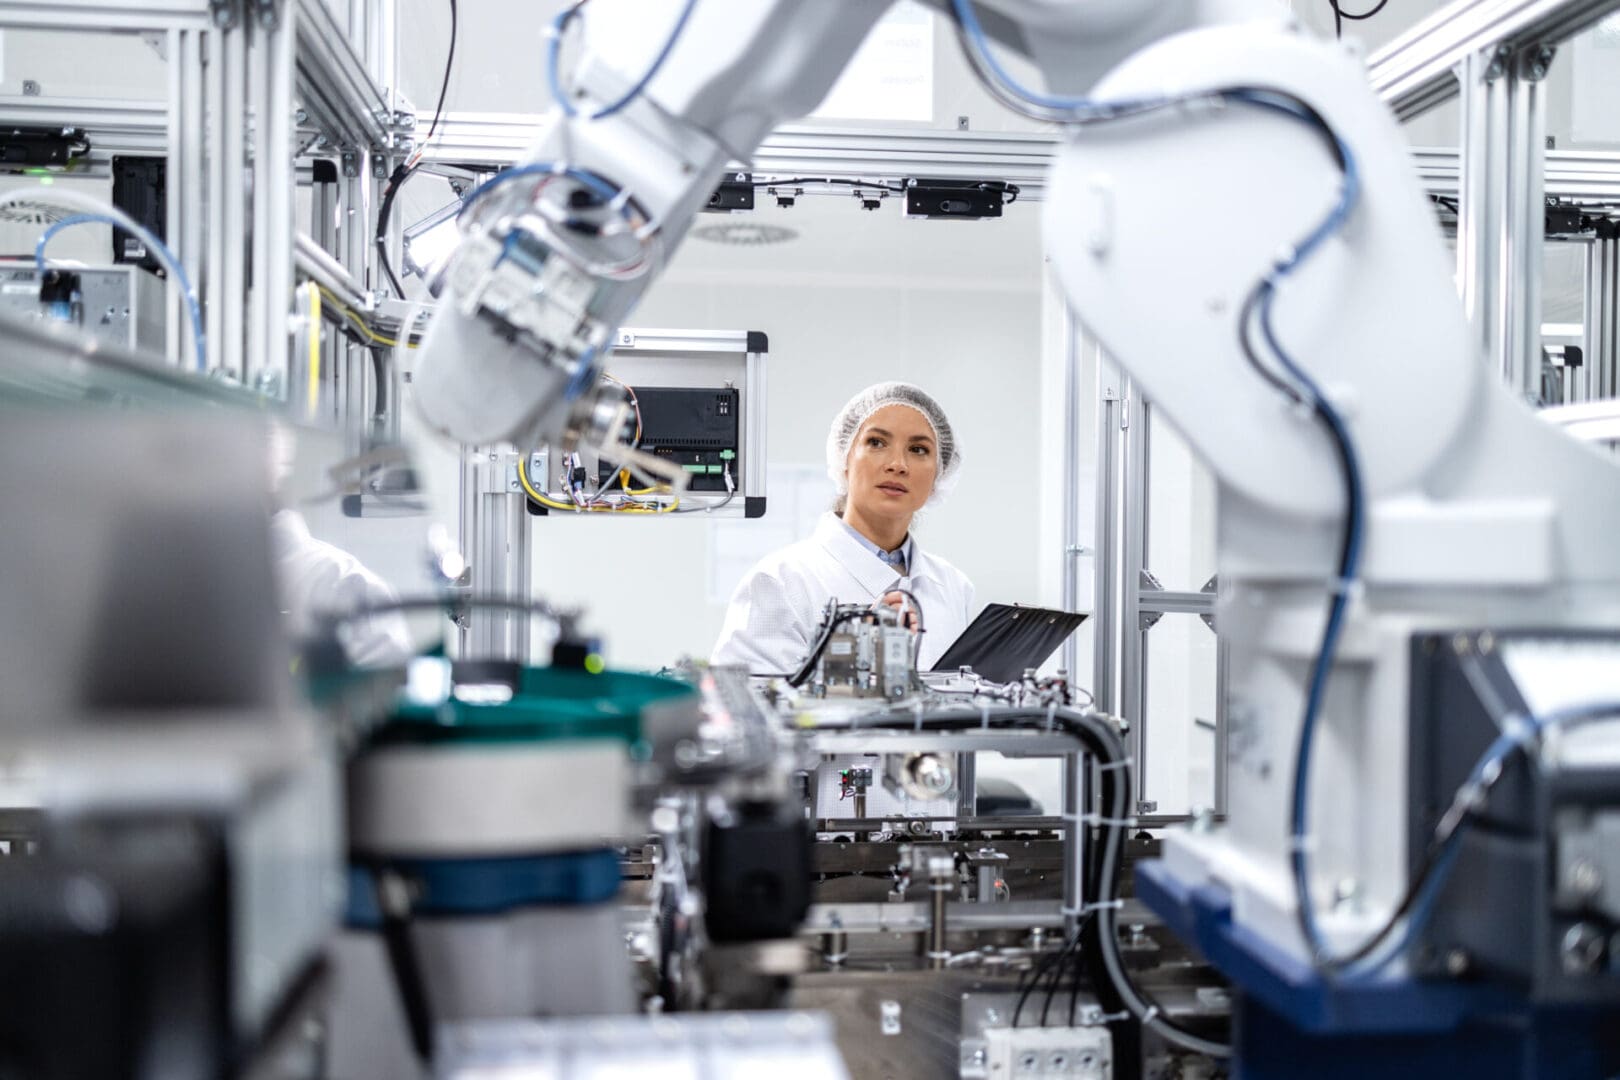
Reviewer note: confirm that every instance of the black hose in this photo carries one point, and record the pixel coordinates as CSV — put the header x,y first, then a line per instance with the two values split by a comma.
x,y
393,903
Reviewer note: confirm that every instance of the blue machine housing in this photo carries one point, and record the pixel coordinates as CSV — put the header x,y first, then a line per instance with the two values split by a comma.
x,y
1291,1023
488,886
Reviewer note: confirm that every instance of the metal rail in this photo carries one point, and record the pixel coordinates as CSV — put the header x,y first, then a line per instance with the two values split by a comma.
x,y
106,15
1414,73
333,85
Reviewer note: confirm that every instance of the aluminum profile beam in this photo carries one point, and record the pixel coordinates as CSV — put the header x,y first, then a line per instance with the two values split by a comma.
x,y
332,84
1019,158
1414,73
1576,175
499,139
113,127
106,15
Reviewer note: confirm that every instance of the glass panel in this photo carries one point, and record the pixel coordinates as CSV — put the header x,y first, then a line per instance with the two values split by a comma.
x,y
1180,670
1180,512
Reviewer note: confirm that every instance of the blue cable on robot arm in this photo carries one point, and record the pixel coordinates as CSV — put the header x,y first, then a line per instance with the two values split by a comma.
x,y
165,256
598,186
554,56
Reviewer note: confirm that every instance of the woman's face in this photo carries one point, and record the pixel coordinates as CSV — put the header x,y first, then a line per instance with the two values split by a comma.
x,y
892,463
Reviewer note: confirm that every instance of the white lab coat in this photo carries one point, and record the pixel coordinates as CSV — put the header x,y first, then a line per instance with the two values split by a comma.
x,y
319,578
776,609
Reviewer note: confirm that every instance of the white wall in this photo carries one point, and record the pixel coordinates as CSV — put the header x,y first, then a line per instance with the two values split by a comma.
x,y
971,337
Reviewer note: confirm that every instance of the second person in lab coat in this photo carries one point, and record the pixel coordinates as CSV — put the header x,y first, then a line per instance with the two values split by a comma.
x,y
890,451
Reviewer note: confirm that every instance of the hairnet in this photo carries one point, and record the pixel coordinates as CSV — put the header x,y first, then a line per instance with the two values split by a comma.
x,y
861,407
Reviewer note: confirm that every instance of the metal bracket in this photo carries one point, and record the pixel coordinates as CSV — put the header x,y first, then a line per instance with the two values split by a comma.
x,y
1536,61
1211,586
889,1017
266,13
1500,58
1148,583
379,167
350,162
226,14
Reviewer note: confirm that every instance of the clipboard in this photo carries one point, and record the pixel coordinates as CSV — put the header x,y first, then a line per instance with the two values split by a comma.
x,y
1006,639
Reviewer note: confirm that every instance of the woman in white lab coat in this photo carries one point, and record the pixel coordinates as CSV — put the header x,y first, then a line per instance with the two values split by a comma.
x,y
890,452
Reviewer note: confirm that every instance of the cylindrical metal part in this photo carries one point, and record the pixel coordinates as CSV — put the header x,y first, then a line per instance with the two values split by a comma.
x,y
939,891
835,948
967,785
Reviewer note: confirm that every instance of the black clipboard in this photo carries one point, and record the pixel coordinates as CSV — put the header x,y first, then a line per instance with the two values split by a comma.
x,y
1006,640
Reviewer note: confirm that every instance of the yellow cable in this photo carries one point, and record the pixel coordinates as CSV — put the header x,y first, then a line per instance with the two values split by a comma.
x,y
359,323
314,333
523,478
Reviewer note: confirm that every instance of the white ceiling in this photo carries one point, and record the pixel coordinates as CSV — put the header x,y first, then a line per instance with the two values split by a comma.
x,y
836,237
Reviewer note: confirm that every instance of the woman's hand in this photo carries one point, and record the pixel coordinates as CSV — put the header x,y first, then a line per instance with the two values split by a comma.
x,y
908,616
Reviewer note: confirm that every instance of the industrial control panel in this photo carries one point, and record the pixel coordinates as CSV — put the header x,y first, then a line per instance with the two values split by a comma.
x,y
695,399
695,427
121,305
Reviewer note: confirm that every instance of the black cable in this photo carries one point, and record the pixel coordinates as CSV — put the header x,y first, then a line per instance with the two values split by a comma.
x,y
380,360
1040,970
397,178
831,180
1057,976
444,86
1103,744
1340,15
1074,977
809,665
393,905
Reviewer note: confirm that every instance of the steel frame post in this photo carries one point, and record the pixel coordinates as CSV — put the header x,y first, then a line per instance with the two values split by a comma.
x,y
495,534
1502,186
1134,475
233,161
1603,316
1106,630
184,199
274,167
1073,548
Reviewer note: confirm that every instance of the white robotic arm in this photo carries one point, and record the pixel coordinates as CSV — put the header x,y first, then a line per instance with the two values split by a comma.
x,y
1237,220
556,252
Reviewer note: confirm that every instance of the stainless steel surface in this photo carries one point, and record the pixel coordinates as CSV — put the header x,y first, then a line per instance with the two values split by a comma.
x,y
889,1025
911,916
1012,743
694,1045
